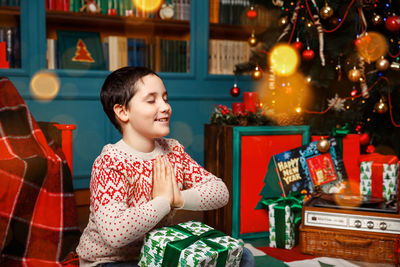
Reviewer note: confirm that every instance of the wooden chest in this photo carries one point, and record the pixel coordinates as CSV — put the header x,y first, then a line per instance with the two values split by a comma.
x,y
349,234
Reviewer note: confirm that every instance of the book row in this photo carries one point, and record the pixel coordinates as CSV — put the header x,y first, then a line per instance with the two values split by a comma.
x,y
119,51
224,55
9,2
10,47
119,7
227,11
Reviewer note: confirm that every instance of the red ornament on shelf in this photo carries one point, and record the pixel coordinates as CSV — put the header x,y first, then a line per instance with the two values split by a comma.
x,y
393,23
298,45
251,13
364,139
308,54
235,91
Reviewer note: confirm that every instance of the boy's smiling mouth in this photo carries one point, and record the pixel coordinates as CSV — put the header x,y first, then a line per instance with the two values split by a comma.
x,y
162,119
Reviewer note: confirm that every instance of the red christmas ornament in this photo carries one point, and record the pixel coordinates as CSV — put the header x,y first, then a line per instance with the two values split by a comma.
x,y
353,92
370,149
251,13
235,91
298,45
393,23
357,41
308,54
364,139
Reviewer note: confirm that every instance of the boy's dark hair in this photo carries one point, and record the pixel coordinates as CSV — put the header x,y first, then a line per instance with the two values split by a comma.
x,y
119,87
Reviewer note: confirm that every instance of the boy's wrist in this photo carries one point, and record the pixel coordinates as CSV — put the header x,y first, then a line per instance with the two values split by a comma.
x,y
178,203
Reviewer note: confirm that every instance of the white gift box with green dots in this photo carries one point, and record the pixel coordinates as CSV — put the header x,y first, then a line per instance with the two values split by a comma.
x,y
290,237
196,254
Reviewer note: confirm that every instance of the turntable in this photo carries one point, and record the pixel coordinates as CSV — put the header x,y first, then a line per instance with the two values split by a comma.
x,y
351,227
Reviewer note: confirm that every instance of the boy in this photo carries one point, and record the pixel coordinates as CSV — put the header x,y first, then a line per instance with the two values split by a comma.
x,y
138,182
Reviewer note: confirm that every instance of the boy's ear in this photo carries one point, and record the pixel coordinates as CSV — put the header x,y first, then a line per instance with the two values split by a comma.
x,y
121,112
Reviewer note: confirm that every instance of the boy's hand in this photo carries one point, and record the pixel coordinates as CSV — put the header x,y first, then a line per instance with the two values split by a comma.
x,y
162,182
178,198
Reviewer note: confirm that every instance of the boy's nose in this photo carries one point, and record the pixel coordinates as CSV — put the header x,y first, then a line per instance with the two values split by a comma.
x,y
165,107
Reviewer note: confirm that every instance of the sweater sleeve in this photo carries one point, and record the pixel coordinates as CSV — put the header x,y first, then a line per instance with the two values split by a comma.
x,y
117,223
202,189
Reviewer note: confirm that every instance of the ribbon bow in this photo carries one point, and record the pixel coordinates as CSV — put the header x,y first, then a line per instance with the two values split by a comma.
x,y
339,133
173,249
294,201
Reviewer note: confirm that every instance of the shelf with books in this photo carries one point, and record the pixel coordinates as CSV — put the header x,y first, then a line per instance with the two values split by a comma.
x,y
127,40
113,25
10,40
230,27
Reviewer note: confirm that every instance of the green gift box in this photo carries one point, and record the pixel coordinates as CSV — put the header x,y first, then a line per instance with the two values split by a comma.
x,y
284,216
190,244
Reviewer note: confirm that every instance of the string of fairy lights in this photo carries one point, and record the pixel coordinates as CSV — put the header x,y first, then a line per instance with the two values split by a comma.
x,y
284,58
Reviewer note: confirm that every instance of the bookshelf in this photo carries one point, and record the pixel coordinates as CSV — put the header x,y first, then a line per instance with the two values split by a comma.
x,y
10,40
134,39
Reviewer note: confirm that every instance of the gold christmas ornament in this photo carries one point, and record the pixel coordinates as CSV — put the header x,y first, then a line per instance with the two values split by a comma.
x,y
323,145
382,64
252,40
376,19
256,74
354,75
283,21
381,107
326,12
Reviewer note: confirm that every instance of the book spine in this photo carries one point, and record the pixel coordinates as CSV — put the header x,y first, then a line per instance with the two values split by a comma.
x,y
9,41
66,5
50,54
3,56
16,47
106,54
60,5
52,4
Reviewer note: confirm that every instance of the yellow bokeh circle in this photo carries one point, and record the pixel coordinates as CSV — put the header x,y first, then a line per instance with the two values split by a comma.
x,y
283,60
44,86
148,5
372,46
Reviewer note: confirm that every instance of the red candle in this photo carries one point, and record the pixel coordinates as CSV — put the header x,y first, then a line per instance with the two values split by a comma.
x,y
250,101
237,108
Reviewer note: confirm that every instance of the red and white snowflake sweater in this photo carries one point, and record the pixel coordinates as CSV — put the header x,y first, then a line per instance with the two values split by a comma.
x,y
122,210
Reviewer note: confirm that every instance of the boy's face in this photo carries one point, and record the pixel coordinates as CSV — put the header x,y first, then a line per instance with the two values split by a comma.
x,y
148,110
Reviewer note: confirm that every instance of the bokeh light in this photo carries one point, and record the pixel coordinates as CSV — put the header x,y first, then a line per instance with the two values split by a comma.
x,y
283,60
147,5
372,46
44,86
290,95
183,132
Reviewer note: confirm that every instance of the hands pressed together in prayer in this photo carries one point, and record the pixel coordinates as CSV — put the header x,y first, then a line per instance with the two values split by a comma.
x,y
164,182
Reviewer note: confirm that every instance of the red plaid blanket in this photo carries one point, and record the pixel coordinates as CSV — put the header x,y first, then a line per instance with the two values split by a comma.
x,y
38,219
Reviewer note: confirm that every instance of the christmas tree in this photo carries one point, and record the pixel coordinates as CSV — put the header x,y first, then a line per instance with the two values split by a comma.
x,y
346,66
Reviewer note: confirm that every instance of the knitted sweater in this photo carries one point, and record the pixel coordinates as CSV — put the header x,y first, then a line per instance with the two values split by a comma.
x,y
122,210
